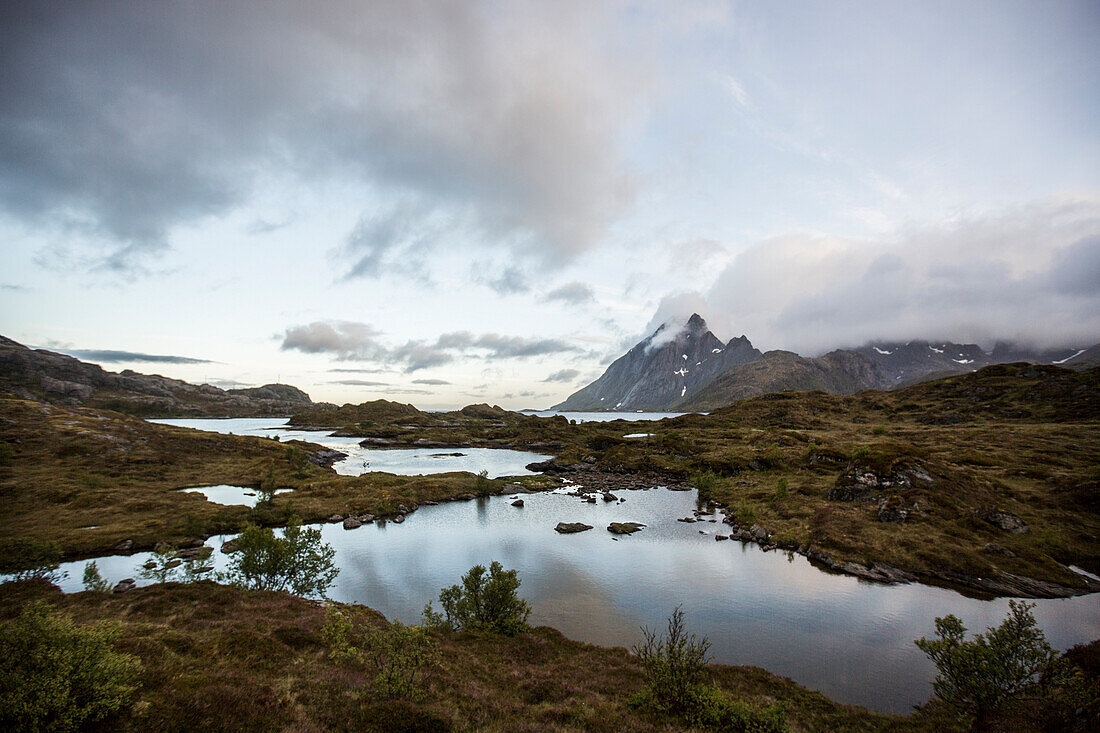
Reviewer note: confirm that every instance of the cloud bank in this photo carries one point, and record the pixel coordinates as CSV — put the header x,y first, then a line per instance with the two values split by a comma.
x,y
1030,274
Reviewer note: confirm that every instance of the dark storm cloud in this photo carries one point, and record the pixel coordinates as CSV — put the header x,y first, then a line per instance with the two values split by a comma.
x,y
574,293
357,341
122,120
114,356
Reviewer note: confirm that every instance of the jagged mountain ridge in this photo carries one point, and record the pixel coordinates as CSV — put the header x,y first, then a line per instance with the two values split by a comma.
x,y
662,370
44,375
638,380
912,361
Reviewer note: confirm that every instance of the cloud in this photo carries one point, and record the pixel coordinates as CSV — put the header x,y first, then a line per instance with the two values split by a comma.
x,y
1030,274
563,375
389,241
13,288
345,339
511,280
358,341
574,293
229,383
113,356
433,382
126,120
359,383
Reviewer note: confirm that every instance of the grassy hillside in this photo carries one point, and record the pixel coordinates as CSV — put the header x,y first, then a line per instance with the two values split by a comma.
x,y
220,658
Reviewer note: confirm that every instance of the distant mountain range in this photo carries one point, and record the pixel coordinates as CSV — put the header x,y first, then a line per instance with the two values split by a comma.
x,y
45,375
693,370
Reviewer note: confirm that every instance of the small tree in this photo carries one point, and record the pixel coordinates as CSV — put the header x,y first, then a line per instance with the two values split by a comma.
x,y
297,562
482,603
978,677
58,676
674,665
396,654
93,580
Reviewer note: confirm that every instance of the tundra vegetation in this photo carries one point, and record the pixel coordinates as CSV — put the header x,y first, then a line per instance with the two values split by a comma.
x,y
988,474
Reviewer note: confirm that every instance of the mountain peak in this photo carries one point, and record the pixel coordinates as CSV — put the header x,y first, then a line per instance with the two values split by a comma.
x,y
696,322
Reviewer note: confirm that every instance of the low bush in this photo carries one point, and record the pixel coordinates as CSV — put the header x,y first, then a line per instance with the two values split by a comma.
x,y
395,655
674,665
30,559
59,676
487,603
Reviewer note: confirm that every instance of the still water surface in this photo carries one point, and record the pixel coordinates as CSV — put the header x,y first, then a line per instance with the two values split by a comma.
x,y
851,639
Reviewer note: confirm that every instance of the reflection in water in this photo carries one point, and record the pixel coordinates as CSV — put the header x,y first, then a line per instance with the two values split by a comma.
x,y
851,639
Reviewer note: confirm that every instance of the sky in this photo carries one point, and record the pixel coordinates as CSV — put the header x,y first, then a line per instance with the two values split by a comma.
x,y
445,202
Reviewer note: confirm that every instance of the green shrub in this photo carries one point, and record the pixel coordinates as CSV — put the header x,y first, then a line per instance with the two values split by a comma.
x,y
782,489
706,481
976,678
58,676
297,562
395,655
674,665
712,708
483,485
482,603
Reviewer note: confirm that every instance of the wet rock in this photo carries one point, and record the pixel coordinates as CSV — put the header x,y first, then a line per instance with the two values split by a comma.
x,y
125,585
124,546
608,496
688,520
590,499
518,502
399,519
758,533
572,527
326,457
352,523
336,518
173,564
720,537
624,527
230,547
1001,519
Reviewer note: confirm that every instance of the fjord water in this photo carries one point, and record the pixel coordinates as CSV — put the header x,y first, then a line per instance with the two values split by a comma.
x,y
850,639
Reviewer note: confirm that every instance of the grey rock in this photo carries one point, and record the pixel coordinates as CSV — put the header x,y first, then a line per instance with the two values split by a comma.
x,y
572,527
518,502
124,585
352,523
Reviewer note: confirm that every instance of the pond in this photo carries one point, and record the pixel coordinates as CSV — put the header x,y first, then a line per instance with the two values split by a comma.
x,y
230,495
850,639
409,461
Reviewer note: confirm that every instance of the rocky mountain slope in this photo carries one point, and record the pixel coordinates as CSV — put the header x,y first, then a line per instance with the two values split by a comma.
x,y
914,361
838,372
693,370
663,370
59,379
